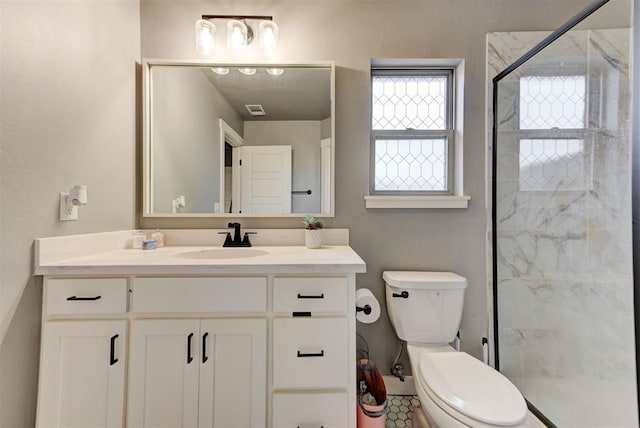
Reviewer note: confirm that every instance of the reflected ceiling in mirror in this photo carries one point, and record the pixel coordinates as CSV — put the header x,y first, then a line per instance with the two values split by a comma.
x,y
238,140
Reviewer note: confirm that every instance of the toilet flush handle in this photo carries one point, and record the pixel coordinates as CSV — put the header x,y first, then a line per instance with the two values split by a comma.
x,y
403,295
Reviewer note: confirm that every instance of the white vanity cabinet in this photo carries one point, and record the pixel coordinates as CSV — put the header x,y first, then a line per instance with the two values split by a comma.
x,y
83,362
219,347
198,372
189,372
313,362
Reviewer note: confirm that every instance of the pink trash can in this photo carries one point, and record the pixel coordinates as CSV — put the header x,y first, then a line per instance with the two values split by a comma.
x,y
370,383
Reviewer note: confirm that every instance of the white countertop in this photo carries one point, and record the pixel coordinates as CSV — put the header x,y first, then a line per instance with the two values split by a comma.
x,y
167,261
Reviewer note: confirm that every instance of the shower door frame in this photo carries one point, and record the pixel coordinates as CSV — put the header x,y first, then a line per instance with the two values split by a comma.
x,y
635,176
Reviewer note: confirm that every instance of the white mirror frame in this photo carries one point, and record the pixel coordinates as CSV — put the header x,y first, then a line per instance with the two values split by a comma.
x,y
147,167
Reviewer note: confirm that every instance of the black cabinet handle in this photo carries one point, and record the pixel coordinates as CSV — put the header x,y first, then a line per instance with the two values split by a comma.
x,y
204,347
73,298
321,426
189,356
112,353
302,296
404,295
311,354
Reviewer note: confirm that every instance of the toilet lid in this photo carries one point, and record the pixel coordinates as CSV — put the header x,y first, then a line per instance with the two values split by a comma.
x,y
472,388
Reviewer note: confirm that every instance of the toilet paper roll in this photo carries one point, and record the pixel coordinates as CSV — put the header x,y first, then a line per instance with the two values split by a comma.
x,y
366,300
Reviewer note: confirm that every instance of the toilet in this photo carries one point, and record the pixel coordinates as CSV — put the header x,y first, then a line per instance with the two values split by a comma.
x,y
454,388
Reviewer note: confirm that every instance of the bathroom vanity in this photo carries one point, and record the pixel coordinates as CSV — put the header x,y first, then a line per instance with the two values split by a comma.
x,y
194,335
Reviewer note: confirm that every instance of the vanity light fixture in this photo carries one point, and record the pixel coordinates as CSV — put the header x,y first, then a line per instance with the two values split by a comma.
x,y
220,70
247,71
239,33
275,71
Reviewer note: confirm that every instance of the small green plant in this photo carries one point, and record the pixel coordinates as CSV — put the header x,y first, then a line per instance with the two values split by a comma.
x,y
311,223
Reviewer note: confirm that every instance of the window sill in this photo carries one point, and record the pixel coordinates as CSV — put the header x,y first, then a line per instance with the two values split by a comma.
x,y
389,201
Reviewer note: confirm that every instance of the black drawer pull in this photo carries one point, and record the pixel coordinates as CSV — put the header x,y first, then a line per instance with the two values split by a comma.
x,y
76,298
404,295
311,354
321,426
204,347
310,296
301,314
189,356
112,353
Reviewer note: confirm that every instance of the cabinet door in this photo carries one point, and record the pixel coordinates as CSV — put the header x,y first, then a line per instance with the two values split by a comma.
x,y
233,373
82,374
163,374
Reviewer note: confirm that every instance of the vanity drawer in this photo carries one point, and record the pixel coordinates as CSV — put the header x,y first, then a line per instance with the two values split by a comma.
x,y
305,294
310,353
329,410
219,294
86,296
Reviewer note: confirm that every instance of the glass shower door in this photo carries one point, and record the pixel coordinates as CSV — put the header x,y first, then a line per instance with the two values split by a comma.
x,y
563,249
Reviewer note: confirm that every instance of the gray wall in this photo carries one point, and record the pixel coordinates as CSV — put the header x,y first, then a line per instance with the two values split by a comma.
x,y
68,84
69,116
360,30
304,138
186,146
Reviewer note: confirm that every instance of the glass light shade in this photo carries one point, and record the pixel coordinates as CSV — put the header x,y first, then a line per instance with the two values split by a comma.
x,y
205,36
247,71
237,36
275,71
220,70
269,36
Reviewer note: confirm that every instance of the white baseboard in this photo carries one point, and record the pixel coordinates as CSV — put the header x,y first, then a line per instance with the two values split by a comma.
x,y
396,387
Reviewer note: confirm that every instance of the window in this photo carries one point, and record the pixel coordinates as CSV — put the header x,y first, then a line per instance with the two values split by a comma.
x,y
416,151
411,130
552,122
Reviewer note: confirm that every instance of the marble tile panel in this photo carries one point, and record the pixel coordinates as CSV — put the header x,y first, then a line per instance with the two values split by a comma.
x,y
537,254
609,72
505,47
532,351
554,213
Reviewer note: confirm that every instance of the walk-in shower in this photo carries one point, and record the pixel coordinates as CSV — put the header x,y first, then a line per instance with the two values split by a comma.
x,y
563,288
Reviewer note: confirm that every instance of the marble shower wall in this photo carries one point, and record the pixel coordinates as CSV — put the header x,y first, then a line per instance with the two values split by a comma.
x,y
565,286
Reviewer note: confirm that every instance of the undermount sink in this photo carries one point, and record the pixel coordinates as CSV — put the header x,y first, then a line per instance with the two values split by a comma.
x,y
222,253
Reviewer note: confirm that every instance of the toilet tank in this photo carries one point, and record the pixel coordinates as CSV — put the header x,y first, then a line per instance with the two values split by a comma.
x,y
425,307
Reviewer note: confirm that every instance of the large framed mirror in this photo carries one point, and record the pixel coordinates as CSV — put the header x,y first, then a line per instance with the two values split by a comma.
x,y
236,140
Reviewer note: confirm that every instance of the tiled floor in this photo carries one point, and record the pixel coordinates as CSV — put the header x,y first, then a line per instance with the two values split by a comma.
x,y
401,410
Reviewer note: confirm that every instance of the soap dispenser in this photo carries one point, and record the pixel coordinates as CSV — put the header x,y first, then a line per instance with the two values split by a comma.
x,y
138,238
158,237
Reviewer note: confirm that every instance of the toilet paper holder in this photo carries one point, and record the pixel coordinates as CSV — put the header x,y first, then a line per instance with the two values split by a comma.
x,y
366,309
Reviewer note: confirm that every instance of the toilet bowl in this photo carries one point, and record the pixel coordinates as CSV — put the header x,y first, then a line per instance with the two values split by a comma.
x,y
457,390
454,388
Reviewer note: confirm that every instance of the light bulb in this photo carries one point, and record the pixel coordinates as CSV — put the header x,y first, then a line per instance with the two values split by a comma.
x,y
220,70
237,36
247,71
275,71
205,36
269,35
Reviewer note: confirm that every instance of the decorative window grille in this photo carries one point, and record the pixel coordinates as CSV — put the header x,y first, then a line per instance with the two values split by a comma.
x,y
548,102
552,121
411,130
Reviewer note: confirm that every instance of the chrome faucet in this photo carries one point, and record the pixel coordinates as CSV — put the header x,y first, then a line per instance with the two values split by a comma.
x,y
237,240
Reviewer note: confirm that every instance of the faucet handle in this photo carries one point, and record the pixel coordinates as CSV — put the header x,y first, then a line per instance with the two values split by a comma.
x,y
245,240
227,239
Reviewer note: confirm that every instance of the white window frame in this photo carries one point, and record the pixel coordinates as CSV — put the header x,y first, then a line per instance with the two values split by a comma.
x,y
453,196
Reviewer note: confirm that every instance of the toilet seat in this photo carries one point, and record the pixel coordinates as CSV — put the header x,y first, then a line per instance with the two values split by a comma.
x,y
470,391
